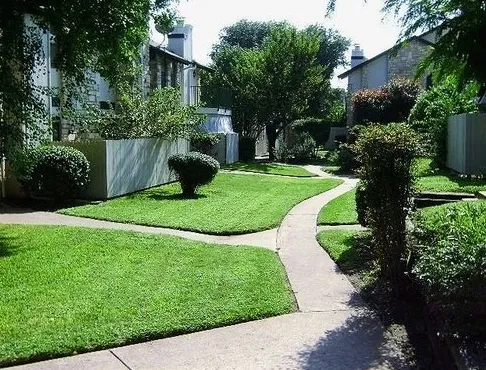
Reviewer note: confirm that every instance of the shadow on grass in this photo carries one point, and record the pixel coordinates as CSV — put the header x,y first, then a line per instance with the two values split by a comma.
x,y
8,246
175,196
357,256
358,344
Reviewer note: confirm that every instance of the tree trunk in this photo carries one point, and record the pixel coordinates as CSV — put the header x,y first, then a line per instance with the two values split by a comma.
x,y
272,138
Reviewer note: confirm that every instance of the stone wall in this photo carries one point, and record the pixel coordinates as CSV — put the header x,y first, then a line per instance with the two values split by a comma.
x,y
406,60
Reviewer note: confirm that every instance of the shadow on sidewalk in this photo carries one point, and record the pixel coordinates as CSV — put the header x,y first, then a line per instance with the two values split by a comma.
x,y
359,344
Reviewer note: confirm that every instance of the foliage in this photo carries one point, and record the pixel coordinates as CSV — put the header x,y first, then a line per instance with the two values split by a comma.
x,y
301,146
203,142
316,128
55,171
193,170
90,289
386,154
458,25
430,114
274,71
246,147
161,114
361,205
99,35
389,103
451,259
231,204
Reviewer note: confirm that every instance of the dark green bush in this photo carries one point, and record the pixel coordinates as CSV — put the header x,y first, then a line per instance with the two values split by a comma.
x,y
361,207
247,149
203,142
317,128
193,169
300,147
385,154
60,172
390,103
450,243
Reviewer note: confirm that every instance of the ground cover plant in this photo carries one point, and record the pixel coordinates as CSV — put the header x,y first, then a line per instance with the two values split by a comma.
x,y
231,204
68,289
339,211
269,168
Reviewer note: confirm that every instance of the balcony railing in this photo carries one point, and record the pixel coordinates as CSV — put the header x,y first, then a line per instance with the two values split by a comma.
x,y
215,97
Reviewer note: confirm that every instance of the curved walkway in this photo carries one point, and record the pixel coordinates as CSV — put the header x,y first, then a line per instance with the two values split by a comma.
x,y
332,330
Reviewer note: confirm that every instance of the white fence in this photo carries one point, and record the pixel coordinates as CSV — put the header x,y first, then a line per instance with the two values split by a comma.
x,y
466,143
120,167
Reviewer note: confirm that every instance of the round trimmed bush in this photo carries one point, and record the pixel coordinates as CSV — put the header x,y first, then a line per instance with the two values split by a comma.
x,y
59,172
193,169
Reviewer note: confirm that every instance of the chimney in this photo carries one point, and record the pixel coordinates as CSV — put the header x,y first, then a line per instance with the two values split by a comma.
x,y
357,56
180,40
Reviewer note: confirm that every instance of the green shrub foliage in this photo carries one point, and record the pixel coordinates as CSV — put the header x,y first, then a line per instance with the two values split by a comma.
x,y
386,154
301,146
450,243
390,103
203,142
59,172
193,169
430,114
361,206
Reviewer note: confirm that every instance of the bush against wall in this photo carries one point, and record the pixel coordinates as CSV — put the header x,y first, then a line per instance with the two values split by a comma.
x,y
430,114
59,172
385,154
161,114
299,146
390,103
204,142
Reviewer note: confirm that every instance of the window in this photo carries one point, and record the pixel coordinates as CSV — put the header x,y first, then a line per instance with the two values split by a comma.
x,y
54,56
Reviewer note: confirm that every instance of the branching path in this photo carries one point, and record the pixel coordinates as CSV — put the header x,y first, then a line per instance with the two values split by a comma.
x,y
332,330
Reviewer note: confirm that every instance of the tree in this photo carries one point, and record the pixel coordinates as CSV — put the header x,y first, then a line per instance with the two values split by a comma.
x,y
291,74
101,35
282,69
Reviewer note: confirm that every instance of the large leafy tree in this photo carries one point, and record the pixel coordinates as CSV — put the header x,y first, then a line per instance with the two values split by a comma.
x,y
275,73
101,35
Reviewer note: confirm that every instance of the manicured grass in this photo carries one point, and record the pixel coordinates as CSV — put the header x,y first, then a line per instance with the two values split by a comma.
x,y
67,289
231,204
432,179
270,168
339,211
341,246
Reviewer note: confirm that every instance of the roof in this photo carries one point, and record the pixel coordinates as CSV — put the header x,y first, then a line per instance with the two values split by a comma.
x,y
202,66
170,54
393,48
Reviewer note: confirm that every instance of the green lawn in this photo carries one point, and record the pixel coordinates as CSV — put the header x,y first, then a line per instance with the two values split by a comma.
x,y
231,204
339,211
341,246
432,179
270,168
67,290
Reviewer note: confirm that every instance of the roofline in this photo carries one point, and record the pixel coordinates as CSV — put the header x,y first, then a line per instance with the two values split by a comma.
x,y
202,66
396,46
169,53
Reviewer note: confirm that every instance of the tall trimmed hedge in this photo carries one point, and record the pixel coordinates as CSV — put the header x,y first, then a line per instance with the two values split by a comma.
x,y
390,103
385,154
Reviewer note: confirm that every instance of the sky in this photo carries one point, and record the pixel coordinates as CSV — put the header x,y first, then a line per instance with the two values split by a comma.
x,y
360,21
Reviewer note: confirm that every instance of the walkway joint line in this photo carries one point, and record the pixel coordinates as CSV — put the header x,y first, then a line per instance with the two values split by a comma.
x,y
119,359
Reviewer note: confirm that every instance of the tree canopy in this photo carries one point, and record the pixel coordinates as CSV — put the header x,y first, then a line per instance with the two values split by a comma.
x,y
101,35
275,73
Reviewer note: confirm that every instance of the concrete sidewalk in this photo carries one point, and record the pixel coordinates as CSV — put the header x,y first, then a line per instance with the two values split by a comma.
x,y
332,330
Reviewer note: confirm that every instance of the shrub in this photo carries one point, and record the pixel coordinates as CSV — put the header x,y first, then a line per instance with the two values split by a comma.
x,y
193,169
430,114
299,147
247,149
386,154
59,172
203,142
451,260
317,128
390,103
361,206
